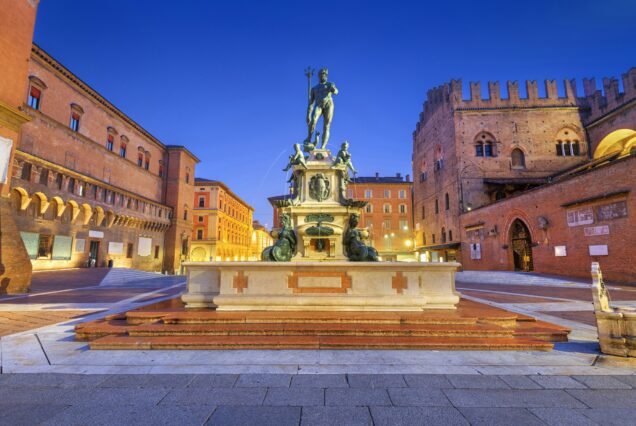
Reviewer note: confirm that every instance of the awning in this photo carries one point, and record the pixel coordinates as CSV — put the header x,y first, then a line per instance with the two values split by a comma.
x,y
441,246
516,181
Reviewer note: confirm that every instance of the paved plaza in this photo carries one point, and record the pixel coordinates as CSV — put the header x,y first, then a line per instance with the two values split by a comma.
x,y
49,378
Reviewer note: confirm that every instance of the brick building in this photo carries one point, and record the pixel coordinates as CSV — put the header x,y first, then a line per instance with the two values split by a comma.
x,y
222,229
498,178
388,215
88,185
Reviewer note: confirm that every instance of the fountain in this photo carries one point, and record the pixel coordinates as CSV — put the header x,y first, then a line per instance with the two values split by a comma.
x,y
321,259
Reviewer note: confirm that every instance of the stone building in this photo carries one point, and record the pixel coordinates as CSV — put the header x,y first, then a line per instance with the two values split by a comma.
x,y
90,186
261,239
222,229
495,176
388,216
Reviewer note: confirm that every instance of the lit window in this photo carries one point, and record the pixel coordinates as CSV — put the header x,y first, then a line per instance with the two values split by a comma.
x,y
44,246
75,120
387,224
404,225
35,95
110,142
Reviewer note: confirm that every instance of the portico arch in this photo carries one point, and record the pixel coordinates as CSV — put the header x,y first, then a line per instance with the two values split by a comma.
x,y
619,141
521,246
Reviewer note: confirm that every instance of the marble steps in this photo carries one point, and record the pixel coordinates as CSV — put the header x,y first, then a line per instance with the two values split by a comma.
x,y
311,329
316,342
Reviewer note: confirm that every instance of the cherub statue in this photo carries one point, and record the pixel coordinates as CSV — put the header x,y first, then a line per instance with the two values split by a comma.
x,y
344,157
297,158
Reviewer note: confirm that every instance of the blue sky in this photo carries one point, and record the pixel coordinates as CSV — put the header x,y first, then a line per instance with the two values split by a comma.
x,y
225,78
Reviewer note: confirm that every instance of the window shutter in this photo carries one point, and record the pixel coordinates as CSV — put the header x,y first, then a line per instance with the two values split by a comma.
x,y
35,92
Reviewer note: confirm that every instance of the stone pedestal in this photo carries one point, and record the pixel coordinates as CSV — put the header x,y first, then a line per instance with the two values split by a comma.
x,y
319,209
15,265
321,286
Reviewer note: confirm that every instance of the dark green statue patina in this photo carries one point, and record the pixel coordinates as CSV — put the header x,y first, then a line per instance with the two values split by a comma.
x,y
321,104
285,246
354,248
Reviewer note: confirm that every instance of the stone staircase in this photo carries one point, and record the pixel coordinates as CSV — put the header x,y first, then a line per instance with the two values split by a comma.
x,y
472,326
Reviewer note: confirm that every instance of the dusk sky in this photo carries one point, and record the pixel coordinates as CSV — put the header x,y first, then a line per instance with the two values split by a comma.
x,y
225,78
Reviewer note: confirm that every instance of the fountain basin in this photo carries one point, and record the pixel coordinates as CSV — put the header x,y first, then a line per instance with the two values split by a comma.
x,y
321,286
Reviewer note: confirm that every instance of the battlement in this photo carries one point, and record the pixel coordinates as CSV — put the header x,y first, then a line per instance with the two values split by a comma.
x,y
594,103
599,102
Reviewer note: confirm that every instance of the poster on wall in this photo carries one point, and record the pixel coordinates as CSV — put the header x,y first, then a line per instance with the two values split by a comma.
x,y
62,247
115,248
611,211
80,245
31,242
560,251
5,157
596,230
144,247
580,217
475,251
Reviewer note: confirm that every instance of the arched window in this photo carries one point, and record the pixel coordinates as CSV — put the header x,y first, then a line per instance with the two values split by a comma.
x,y
36,88
518,159
76,114
439,158
423,173
484,145
110,138
567,143
123,146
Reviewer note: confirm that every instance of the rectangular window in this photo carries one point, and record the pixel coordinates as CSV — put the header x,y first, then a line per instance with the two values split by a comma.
x,y
187,178
129,250
387,193
349,193
404,225
156,252
160,170
34,97
200,219
488,150
80,189
559,149
59,180
44,177
436,206
387,208
122,150
423,177
368,208
75,120
147,164
387,224
402,194
423,212
368,193
199,234
402,208
71,185
479,150
110,142
26,172
575,149
201,201
44,246
433,238
140,159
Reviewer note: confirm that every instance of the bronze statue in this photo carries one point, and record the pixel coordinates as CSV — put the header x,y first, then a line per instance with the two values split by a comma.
x,y
285,246
321,104
355,249
344,157
297,158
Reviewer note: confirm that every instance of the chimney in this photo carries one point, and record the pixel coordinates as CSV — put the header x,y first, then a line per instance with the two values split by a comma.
x,y
398,175
408,178
377,175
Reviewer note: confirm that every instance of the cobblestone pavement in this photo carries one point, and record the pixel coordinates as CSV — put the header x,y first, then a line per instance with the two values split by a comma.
x,y
340,399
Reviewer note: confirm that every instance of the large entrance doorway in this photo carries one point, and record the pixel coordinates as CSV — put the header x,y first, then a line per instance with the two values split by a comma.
x,y
521,244
93,254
